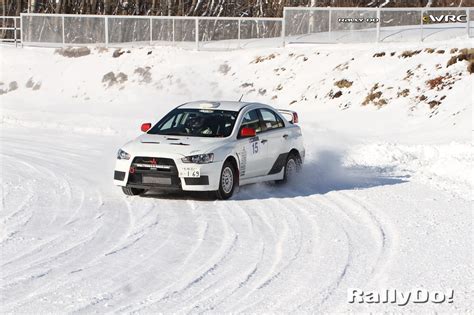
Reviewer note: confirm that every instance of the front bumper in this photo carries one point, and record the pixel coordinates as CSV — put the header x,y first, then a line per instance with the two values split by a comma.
x,y
165,176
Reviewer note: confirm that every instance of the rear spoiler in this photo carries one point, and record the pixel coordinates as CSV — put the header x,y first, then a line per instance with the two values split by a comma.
x,y
290,115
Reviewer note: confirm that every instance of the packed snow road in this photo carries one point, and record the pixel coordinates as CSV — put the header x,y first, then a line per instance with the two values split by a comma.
x,y
72,242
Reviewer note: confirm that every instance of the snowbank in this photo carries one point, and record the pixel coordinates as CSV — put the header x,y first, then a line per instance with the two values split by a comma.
x,y
448,166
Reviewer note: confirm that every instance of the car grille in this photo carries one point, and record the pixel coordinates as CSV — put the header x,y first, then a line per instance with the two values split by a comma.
x,y
155,164
153,172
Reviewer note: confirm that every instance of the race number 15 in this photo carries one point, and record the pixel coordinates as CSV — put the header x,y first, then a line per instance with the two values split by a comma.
x,y
255,147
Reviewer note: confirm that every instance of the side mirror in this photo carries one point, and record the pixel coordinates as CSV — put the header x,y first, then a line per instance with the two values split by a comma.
x,y
146,127
247,132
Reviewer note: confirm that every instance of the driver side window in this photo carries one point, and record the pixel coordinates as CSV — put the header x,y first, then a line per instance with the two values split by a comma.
x,y
251,120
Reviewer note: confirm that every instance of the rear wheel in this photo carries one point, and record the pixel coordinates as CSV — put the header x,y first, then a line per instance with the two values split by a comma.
x,y
227,181
129,191
292,168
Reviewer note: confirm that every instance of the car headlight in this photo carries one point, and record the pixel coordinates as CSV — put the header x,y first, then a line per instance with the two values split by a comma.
x,y
122,155
199,158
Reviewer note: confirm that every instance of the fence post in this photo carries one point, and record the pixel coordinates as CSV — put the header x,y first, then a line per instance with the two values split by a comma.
x,y
106,31
329,26
21,29
197,33
467,21
310,16
64,39
238,35
378,25
421,24
283,27
14,30
151,31
173,29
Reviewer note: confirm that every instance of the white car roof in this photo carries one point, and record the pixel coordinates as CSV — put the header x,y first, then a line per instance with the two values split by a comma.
x,y
222,105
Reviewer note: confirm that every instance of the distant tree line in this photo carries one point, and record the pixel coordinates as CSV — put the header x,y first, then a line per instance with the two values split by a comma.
x,y
250,8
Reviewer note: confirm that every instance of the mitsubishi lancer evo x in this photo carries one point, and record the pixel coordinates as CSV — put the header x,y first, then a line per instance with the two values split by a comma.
x,y
212,146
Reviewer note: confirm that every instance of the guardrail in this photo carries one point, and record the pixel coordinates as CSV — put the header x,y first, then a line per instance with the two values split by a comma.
x,y
298,25
9,28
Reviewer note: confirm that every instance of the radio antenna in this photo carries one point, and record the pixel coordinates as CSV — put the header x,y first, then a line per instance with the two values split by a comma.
x,y
241,97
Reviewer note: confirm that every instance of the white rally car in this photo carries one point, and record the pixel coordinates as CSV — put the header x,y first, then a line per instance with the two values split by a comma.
x,y
212,146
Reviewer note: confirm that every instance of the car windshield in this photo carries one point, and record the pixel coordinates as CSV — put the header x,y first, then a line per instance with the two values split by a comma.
x,y
196,123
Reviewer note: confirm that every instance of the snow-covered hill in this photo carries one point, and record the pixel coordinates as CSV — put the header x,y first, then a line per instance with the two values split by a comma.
x,y
384,201
358,79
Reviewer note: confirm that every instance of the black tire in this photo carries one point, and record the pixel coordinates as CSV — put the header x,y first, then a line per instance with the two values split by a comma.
x,y
292,167
225,191
129,191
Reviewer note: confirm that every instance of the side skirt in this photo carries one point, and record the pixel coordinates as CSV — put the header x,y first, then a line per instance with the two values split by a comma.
x,y
279,164
259,179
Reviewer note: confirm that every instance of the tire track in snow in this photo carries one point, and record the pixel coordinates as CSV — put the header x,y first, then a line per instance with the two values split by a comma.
x,y
67,260
6,214
200,290
155,296
151,264
326,293
229,280
359,223
251,273
53,206
266,274
23,225
248,275
310,204
34,265
76,258
194,282
387,236
290,273
144,265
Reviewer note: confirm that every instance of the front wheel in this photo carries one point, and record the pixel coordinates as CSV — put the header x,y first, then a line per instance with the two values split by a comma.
x,y
129,191
227,181
292,168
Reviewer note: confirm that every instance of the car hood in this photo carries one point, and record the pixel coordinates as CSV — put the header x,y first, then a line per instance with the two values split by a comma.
x,y
171,145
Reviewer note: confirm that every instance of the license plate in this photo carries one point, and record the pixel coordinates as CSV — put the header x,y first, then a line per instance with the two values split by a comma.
x,y
190,172
156,180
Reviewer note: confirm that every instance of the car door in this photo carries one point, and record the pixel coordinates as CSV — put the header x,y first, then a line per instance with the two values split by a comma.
x,y
274,131
252,152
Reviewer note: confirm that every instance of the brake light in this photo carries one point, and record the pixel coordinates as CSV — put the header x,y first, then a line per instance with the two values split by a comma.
x,y
295,117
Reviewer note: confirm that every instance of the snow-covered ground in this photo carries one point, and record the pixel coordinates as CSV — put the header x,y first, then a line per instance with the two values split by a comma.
x,y
385,200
